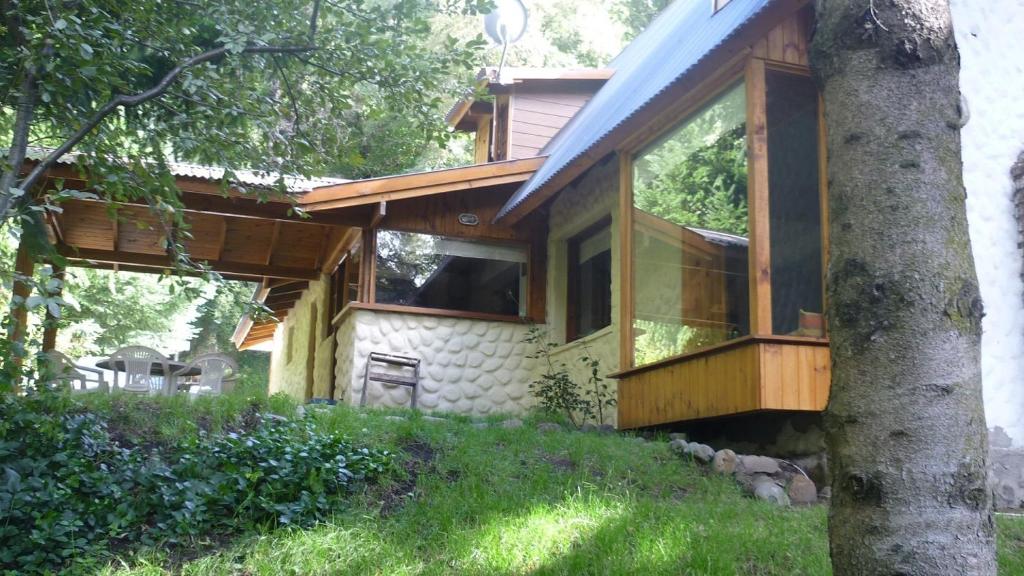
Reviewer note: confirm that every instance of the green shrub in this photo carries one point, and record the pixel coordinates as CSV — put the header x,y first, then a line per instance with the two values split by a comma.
x,y
69,492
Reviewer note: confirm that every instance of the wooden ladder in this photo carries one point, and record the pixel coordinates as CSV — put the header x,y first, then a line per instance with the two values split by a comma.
x,y
405,362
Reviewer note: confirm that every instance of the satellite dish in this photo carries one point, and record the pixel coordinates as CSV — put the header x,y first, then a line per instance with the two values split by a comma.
x,y
506,24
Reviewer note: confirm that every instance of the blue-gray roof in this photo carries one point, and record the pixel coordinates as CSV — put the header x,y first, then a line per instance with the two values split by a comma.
x,y
683,34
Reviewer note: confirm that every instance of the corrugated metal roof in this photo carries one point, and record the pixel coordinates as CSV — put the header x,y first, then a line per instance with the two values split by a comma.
x,y
679,38
211,173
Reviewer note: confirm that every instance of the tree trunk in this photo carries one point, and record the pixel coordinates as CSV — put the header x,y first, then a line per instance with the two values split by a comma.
x,y
905,423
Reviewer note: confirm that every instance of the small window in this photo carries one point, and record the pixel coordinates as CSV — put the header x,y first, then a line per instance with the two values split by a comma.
x,y
589,301
426,271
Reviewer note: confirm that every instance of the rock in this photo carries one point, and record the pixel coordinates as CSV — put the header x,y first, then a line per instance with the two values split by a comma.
x,y
481,425
549,427
274,417
801,490
700,452
769,491
724,461
826,493
606,429
638,439
395,418
758,465
678,446
434,419
512,423
588,427
677,436
300,412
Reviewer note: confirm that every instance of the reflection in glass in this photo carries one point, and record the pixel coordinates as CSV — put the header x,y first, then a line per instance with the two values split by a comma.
x,y
429,271
794,204
690,234
590,282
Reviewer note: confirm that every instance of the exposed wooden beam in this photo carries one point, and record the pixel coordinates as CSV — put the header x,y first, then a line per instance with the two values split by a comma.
x,y
237,269
379,214
374,190
222,239
344,244
273,243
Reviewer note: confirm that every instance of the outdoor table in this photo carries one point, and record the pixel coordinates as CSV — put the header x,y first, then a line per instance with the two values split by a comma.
x,y
156,370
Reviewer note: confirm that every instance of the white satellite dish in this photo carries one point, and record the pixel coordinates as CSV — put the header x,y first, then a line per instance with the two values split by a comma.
x,y
505,25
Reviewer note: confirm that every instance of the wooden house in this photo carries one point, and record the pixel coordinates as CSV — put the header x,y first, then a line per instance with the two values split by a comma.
x,y
665,215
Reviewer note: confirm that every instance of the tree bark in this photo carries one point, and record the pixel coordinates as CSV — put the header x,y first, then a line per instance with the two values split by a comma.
x,y
905,423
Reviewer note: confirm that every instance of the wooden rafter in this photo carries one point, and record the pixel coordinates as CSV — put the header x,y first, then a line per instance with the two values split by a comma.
x,y
273,243
236,269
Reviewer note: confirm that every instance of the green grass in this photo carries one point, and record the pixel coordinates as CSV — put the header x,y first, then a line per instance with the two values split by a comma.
x,y
517,501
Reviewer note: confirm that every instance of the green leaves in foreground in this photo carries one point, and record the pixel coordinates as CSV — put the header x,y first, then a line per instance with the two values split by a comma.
x,y
69,492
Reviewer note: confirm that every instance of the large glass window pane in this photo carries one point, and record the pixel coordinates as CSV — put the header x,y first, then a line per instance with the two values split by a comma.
x,y
690,234
794,204
590,282
429,271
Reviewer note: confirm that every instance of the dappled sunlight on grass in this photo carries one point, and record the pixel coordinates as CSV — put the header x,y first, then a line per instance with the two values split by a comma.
x,y
516,501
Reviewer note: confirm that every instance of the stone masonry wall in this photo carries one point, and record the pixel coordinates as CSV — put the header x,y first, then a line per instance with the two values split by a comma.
x,y
291,347
468,366
592,198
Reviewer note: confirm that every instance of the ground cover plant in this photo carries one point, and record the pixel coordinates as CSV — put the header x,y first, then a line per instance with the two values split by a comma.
x,y
78,484
462,499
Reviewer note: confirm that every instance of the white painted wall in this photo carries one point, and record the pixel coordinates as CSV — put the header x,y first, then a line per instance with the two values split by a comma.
x,y
990,35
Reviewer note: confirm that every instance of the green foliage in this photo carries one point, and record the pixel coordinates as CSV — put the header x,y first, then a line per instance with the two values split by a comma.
x,y
71,489
636,15
558,393
702,188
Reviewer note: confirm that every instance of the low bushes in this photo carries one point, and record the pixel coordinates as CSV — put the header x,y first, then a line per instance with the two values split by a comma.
x,y
70,492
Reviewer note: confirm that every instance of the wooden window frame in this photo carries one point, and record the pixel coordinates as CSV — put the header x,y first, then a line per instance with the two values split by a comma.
x,y
751,71
572,274
370,264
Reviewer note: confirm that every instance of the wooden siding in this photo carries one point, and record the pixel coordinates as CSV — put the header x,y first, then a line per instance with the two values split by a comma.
x,y
536,116
788,41
744,377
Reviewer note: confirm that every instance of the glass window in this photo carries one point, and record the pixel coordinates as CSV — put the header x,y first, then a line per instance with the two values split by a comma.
x,y
429,271
794,204
590,282
690,234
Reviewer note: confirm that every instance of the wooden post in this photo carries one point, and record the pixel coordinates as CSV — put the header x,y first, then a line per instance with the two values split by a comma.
x,y
759,254
23,266
50,325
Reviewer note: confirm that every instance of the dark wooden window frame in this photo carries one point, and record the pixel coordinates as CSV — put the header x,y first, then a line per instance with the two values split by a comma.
x,y
572,274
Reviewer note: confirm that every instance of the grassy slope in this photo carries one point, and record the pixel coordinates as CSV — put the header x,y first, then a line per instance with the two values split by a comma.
x,y
515,501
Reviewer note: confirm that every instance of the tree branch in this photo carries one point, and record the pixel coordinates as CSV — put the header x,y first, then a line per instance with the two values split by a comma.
x,y
128,101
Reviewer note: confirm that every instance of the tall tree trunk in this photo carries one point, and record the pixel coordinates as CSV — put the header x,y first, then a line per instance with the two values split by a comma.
x,y
905,423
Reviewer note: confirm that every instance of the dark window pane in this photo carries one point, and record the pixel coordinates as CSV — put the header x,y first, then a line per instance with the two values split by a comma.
x,y
794,204
436,272
690,233
590,282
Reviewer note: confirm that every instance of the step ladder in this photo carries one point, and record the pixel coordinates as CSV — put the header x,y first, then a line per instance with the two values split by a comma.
x,y
404,362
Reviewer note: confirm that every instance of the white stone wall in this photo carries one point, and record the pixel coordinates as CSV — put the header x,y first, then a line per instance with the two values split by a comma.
x,y
990,36
289,364
468,366
594,197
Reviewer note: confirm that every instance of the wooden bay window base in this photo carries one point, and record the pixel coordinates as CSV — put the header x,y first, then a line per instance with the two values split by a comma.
x,y
744,375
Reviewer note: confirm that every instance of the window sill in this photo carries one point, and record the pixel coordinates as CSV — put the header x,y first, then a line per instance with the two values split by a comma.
x,y
435,312
717,348
609,329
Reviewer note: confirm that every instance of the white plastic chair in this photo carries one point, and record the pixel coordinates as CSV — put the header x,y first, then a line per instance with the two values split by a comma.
x,y
136,363
63,371
216,371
